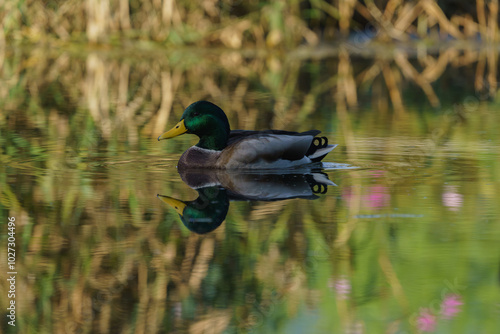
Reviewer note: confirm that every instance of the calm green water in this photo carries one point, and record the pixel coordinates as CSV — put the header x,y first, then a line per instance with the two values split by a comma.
x,y
406,241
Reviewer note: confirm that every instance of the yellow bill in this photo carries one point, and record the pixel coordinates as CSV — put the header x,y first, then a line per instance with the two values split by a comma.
x,y
177,130
174,203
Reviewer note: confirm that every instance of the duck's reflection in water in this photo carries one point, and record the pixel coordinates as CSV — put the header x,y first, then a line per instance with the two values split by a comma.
x,y
216,188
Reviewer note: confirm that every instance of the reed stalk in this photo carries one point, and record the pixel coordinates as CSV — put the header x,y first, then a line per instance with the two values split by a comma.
x,y
238,24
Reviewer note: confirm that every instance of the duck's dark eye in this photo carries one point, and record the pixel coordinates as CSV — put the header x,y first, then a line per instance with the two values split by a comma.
x,y
196,113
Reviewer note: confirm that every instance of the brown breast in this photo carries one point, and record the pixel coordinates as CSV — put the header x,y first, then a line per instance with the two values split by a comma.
x,y
196,157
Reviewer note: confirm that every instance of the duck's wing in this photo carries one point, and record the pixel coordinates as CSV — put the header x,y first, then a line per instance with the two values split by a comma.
x,y
267,149
237,135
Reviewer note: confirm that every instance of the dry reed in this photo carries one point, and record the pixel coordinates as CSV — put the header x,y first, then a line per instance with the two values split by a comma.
x,y
240,24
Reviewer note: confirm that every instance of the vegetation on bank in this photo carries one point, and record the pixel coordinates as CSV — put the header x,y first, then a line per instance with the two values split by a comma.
x,y
237,24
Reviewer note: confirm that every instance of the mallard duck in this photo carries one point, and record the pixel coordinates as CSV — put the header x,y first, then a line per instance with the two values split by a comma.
x,y
221,148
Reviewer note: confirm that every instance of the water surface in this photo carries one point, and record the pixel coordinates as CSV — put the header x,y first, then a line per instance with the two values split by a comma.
x,y
406,241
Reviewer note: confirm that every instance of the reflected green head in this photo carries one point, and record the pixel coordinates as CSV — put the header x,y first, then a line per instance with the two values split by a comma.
x,y
207,212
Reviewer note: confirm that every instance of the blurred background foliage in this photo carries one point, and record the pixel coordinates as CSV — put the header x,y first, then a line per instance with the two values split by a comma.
x,y
237,24
407,89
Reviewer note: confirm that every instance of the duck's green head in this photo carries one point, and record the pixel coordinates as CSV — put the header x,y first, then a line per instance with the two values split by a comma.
x,y
207,121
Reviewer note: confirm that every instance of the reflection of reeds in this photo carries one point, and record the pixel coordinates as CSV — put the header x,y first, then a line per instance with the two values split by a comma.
x,y
125,99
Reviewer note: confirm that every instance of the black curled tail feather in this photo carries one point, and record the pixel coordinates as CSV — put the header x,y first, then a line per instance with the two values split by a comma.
x,y
317,143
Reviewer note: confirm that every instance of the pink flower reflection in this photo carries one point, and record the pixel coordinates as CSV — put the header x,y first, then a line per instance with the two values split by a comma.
x,y
450,306
426,321
378,197
374,197
451,198
377,173
342,287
